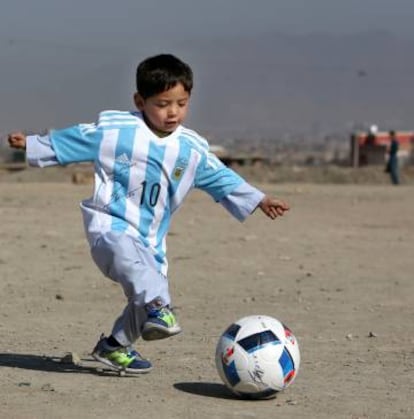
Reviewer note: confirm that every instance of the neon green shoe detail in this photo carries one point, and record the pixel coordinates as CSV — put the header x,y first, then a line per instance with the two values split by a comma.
x,y
167,317
120,359
161,324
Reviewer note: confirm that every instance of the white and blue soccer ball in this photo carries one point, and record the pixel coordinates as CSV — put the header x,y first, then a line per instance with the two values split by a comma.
x,y
257,356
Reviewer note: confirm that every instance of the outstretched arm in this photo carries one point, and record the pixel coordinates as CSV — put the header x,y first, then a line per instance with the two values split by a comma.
x,y
79,143
246,199
233,192
39,151
273,207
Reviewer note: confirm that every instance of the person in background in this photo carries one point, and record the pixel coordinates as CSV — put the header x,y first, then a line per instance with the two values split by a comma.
x,y
392,163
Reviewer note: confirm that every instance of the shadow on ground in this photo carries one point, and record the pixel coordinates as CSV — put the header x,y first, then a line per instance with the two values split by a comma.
x,y
51,364
219,391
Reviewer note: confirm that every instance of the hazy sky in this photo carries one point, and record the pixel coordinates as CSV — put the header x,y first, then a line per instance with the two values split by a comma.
x,y
106,19
47,46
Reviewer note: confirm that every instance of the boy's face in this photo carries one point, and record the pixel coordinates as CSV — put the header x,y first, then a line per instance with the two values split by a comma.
x,y
166,110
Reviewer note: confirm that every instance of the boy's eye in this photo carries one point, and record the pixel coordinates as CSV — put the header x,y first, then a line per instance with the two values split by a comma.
x,y
182,104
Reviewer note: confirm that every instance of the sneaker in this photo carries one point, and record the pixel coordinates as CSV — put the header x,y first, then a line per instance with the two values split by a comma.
x,y
121,358
161,323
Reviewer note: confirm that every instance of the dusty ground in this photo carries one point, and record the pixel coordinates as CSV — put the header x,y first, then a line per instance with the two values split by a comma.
x,y
338,270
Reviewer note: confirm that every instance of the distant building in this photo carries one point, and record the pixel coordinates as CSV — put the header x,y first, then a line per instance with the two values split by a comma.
x,y
369,148
240,159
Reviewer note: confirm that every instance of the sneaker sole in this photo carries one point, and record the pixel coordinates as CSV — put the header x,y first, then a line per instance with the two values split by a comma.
x,y
115,367
155,332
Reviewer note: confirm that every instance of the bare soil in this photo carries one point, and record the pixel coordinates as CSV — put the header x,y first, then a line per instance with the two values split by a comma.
x,y
338,270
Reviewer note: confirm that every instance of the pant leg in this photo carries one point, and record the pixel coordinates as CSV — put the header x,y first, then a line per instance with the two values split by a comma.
x,y
394,172
127,261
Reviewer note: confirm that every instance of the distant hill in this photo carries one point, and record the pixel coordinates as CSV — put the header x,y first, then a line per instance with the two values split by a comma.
x,y
308,84
251,88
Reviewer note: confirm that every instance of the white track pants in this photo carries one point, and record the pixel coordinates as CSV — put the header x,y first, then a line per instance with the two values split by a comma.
x,y
127,261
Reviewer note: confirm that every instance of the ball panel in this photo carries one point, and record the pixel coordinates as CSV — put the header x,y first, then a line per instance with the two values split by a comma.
x,y
231,331
287,364
292,347
256,341
230,371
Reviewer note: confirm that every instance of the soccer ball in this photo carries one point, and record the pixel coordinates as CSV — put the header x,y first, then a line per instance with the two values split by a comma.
x,y
257,356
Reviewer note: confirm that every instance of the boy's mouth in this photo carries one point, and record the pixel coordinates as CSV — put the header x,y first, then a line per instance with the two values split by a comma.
x,y
170,124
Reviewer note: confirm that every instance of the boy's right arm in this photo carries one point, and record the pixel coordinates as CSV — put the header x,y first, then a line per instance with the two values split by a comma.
x,y
75,144
39,151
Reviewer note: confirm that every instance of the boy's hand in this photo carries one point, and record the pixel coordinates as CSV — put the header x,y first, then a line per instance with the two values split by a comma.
x,y
17,140
273,207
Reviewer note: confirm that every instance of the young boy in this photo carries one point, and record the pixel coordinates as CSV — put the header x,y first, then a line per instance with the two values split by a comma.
x,y
146,162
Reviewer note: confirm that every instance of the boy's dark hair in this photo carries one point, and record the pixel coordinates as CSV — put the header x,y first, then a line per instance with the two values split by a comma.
x,y
162,72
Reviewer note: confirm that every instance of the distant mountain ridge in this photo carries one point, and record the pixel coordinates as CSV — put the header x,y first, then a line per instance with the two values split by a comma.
x,y
308,84
258,87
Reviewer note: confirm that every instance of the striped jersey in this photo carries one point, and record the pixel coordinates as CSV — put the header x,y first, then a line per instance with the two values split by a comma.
x,y
140,178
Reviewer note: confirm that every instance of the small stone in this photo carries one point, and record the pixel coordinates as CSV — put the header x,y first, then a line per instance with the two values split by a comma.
x,y
71,358
82,178
59,297
372,335
349,336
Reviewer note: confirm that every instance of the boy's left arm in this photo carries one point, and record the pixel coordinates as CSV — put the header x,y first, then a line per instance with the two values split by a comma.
x,y
233,192
245,199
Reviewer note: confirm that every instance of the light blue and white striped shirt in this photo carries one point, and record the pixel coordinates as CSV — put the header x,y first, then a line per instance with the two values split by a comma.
x,y
141,179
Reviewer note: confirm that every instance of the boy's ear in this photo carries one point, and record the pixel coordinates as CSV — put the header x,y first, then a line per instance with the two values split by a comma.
x,y
139,101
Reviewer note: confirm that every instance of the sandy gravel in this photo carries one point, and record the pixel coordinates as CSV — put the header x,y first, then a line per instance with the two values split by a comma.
x,y
338,270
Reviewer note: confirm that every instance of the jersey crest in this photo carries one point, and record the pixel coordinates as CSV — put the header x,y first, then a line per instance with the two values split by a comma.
x,y
179,169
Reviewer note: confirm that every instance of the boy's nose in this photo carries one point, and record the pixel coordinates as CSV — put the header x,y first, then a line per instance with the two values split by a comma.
x,y
172,110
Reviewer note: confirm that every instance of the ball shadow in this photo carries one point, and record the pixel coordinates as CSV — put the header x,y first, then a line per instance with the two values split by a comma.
x,y
219,391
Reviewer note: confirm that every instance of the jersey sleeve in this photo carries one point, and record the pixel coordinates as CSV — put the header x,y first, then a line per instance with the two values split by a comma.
x,y
242,201
79,143
39,151
213,177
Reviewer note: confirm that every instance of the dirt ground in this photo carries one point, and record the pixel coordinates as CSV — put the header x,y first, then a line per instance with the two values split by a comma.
x,y
338,270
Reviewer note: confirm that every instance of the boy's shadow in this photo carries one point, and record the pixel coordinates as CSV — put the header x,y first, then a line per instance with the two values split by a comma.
x,y
47,363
